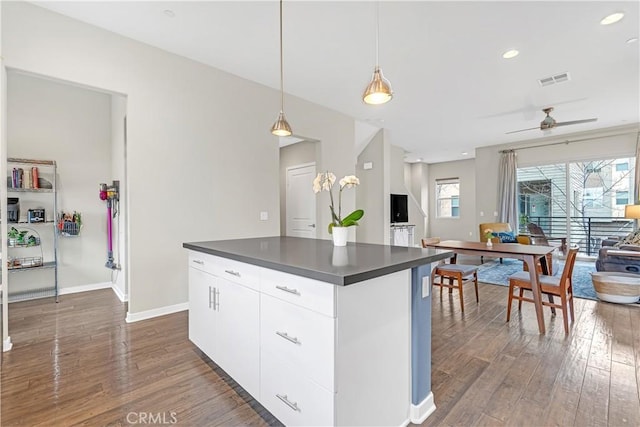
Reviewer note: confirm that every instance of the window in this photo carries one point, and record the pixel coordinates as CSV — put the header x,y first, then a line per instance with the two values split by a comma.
x,y
620,167
448,198
622,197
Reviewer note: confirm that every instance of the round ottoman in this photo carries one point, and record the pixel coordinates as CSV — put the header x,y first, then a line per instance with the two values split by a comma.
x,y
611,286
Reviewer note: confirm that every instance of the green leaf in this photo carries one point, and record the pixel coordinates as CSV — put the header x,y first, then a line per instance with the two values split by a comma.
x,y
353,217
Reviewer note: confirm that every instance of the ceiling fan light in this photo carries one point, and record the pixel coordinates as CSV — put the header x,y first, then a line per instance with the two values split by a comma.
x,y
281,127
379,90
612,19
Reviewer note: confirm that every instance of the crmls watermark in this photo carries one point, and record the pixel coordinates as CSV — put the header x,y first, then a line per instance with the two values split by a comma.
x,y
156,418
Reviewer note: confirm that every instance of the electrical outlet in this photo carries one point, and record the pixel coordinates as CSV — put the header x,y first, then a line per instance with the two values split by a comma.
x,y
264,216
426,286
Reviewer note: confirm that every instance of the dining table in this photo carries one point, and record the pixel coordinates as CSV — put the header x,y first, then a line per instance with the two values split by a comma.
x,y
529,254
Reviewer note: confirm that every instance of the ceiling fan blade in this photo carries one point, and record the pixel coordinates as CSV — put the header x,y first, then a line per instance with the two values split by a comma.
x,y
575,122
522,130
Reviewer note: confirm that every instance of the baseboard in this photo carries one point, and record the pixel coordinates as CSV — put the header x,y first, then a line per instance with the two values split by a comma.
x,y
7,344
422,410
156,312
116,290
84,288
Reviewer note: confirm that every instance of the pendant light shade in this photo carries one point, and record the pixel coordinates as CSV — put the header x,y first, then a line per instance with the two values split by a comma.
x,y
281,127
379,90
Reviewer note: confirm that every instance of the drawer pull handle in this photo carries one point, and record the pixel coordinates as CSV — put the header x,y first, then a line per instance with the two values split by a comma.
x,y
291,291
210,294
197,261
288,338
233,273
292,405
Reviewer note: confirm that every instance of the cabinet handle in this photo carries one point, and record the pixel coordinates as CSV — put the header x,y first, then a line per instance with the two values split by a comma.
x,y
288,338
292,405
197,261
210,301
214,298
233,273
289,290
216,293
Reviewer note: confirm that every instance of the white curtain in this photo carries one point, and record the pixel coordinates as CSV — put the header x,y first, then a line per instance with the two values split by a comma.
x,y
508,189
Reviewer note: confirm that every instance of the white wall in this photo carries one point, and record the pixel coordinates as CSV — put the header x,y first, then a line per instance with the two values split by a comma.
x,y
466,226
370,193
47,120
201,163
417,182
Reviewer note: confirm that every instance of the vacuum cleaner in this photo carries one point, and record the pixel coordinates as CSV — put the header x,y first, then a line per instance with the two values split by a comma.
x,y
110,193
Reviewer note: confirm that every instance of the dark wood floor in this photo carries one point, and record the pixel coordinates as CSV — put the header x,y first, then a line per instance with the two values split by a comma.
x,y
79,363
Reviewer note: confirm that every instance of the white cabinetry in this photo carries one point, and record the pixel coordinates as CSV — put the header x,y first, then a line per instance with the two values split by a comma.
x,y
310,352
224,320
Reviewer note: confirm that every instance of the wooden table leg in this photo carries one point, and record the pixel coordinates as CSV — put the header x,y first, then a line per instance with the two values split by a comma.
x,y
535,287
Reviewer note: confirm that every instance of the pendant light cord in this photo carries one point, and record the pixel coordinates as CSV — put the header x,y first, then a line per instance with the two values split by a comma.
x,y
377,32
281,65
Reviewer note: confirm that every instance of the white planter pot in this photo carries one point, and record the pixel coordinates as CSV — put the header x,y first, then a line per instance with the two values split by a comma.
x,y
340,236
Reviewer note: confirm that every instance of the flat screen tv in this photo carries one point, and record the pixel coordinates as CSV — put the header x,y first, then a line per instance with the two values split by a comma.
x,y
399,210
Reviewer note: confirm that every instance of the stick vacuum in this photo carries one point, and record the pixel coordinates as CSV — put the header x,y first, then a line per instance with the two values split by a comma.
x,y
110,193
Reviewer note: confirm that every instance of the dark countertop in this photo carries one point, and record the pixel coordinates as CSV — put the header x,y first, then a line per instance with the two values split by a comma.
x,y
319,259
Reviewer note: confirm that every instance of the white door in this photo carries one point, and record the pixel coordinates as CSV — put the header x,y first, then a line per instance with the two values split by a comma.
x,y
301,201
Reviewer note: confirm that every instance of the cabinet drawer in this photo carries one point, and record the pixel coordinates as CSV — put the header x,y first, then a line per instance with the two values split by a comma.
x,y
202,262
300,337
312,294
292,398
234,271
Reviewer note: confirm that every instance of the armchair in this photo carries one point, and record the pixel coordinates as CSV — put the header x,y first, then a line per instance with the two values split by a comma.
x,y
499,227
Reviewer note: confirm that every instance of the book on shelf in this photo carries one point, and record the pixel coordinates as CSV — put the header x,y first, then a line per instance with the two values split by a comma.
x,y
29,180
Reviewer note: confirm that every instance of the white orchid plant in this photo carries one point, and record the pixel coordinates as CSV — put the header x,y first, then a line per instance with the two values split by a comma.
x,y
324,182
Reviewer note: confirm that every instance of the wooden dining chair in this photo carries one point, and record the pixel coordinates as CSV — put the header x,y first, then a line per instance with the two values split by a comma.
x,y
549,285
454,276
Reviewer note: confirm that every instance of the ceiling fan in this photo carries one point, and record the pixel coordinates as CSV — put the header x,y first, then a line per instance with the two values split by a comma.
x,y
549,122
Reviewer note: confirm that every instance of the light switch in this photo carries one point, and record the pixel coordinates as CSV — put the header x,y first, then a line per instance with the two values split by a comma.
x,y
264,216
481,213
368,165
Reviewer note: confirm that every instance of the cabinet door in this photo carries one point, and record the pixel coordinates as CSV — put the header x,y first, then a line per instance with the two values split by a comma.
x,y
202,320
237,309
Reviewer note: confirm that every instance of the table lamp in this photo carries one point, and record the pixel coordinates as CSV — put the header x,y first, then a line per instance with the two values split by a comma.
x,y
632,212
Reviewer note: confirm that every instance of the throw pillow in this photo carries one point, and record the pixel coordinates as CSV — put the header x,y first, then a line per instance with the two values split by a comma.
x,y
506,237
632,238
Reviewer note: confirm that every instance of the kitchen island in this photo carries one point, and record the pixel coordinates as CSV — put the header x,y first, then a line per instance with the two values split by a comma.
x,y
319,335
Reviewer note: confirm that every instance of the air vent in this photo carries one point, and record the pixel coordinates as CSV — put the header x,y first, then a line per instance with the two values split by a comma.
x,y
558,78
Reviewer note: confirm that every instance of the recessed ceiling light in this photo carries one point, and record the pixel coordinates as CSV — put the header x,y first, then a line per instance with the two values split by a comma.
x,y
170,13
464,153
612,19
632,40
419,159
510,54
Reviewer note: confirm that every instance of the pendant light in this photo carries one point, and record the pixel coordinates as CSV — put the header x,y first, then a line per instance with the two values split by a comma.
x,y
281,127
379,90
